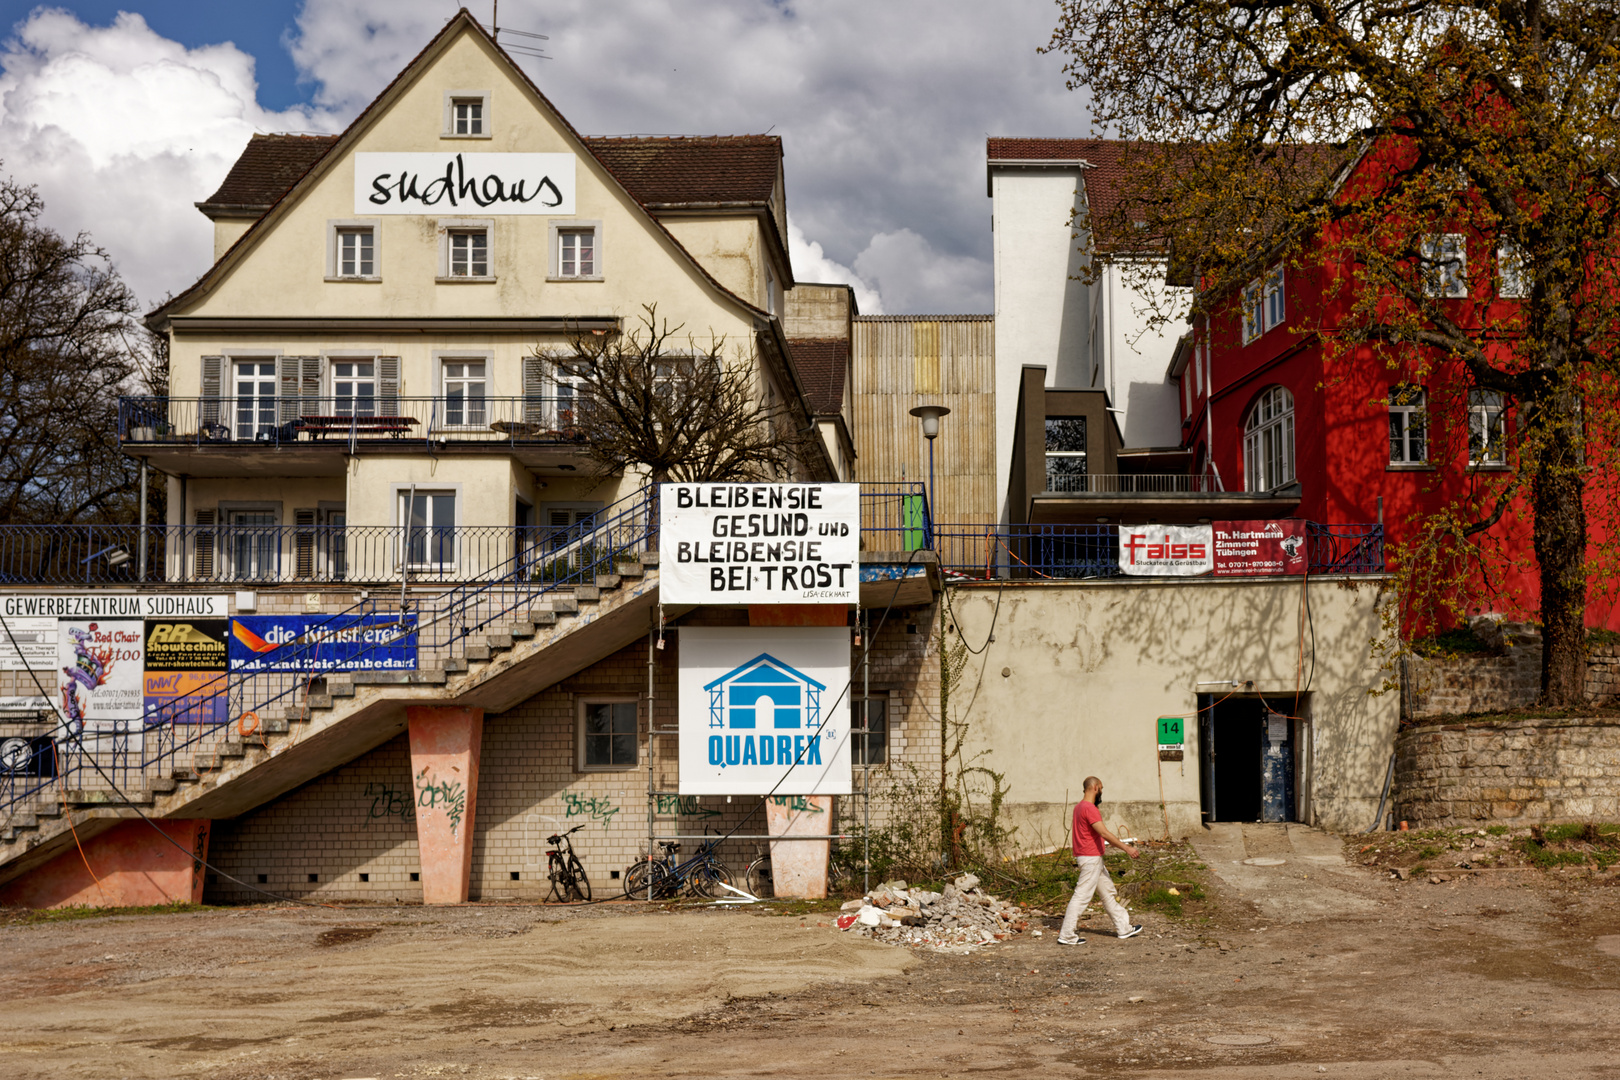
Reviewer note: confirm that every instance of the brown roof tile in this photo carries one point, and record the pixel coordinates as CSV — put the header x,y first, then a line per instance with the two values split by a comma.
x,y
267,170
822,364
687,170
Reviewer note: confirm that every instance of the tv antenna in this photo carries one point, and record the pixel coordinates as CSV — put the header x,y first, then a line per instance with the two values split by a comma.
x,y
522,48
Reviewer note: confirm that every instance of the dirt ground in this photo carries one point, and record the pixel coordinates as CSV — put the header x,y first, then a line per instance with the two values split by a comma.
x,y
1299,964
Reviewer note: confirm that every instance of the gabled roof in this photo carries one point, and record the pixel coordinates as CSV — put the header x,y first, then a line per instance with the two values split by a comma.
x,y
823,364
268,168
1102,162
695,171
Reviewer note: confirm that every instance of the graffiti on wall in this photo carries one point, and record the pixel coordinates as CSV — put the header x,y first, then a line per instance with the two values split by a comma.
x,y
596,807
448,795
389,801
685,805
797,802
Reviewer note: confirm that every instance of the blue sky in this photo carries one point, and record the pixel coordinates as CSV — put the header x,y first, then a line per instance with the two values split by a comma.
x,y
883,109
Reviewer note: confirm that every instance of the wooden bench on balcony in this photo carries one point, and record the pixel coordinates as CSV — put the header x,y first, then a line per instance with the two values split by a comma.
x,y
393,426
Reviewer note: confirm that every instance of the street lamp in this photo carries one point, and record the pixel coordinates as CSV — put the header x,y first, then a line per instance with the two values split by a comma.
x,y
929,415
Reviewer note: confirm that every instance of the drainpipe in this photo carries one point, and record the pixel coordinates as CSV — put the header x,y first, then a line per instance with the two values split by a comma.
x,y
141,572
404,550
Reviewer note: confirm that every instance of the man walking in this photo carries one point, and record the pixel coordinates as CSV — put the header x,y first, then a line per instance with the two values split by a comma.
x,y
1090,834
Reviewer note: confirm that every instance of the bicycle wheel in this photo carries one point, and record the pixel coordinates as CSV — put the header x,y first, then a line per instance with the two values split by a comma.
x,y
641,875
707,879
580,885
758,878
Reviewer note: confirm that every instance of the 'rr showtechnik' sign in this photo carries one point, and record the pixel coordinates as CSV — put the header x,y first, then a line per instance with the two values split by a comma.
x,y
759,543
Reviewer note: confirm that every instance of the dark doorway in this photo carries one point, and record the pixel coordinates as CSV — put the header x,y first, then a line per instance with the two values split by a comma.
x,y
1246,759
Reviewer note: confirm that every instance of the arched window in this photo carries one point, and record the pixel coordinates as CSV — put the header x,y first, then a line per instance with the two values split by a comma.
x,y
1268,441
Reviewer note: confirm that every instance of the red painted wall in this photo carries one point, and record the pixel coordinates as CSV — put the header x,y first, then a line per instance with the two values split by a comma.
x,y
136,866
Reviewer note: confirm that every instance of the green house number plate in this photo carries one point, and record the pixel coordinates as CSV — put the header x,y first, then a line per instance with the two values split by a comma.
x,y
1171,736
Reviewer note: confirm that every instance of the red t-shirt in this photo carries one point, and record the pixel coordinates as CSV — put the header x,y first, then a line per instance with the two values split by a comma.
x,y
1086,840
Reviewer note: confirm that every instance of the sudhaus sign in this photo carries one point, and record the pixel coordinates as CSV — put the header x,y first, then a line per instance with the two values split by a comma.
x,y
461,183
764,710
759,543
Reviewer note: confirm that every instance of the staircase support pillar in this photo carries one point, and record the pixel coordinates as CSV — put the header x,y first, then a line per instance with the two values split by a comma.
x,y
445,746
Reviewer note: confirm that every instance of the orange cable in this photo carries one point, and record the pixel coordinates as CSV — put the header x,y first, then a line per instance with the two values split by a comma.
x,y
56,765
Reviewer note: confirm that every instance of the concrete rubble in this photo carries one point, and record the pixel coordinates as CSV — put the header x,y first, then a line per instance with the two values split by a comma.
x,y
960,919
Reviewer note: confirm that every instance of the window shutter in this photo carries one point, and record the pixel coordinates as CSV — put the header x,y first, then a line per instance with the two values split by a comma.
x,y
212,372
304,544
203,545
387,386
534,389
287,389
309,382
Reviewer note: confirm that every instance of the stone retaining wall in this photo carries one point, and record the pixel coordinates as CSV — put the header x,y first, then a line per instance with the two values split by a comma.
x,y
1507,678
1518,773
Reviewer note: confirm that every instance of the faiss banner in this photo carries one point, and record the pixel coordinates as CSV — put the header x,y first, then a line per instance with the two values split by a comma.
x,y
1166,550
1259,547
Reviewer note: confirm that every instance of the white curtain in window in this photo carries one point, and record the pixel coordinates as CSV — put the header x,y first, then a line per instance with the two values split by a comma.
x,y
1268,441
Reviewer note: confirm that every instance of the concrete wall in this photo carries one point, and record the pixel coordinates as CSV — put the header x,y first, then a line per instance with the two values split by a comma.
x,y
1078,673
1519,773
1042,314
1129,356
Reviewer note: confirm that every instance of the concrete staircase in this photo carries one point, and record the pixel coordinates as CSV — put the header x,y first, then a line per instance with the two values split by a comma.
x,y
343,716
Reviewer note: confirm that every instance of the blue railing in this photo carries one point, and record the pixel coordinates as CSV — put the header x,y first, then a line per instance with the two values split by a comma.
x,y
896,517
1092,551
188,735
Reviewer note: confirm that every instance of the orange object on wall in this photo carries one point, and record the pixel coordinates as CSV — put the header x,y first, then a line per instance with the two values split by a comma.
x,y
136,867
445,744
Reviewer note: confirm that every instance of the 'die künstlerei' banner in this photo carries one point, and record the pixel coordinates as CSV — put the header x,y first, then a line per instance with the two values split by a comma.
x,y
310,643
764,710
759,543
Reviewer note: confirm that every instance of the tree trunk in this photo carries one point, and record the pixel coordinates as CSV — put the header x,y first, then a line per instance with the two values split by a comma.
x,y
1560,540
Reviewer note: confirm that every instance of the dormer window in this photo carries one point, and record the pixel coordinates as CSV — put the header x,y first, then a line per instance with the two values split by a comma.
x,y
466,114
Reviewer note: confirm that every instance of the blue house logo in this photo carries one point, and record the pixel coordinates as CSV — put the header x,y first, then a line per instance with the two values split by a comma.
x,y
764,693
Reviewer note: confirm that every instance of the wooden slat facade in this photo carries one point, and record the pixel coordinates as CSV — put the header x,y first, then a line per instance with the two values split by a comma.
x,y
902,361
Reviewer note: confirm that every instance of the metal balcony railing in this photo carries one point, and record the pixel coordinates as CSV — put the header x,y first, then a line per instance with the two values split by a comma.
x,y
1130,483
896,517
341,422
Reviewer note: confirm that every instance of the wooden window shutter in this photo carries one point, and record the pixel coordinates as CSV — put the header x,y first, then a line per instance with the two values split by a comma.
x,y
534,389
203,545
304,544
213,369
387,386
309,382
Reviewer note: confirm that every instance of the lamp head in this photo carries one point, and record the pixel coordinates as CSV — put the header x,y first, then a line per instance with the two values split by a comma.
x,y
929,415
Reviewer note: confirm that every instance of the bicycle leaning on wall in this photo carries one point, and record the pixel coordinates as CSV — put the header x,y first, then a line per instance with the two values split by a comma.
x,y
662,878
568,880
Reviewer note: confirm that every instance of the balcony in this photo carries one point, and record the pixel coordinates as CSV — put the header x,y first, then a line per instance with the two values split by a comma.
x,y
310,436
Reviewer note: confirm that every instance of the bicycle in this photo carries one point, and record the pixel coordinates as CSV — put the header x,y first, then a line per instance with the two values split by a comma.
x,y
757,878
662,878
568,880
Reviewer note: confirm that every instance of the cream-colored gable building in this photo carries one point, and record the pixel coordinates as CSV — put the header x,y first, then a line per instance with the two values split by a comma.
x,y
365,351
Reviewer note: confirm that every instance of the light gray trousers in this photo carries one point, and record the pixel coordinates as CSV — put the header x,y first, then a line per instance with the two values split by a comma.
x,y
1094,880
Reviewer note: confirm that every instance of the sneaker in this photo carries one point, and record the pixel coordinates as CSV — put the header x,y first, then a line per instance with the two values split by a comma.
x,y
1076,941
1132,932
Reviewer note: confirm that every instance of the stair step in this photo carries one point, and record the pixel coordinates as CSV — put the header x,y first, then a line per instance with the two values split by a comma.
x,y
523,630
498,641
163,785
561,605
139,797
432,676
22,821
608,581
539,618
320,701
276,727
586,593
453,664
632,569
232,748
475,651
648,558
336,689
187,775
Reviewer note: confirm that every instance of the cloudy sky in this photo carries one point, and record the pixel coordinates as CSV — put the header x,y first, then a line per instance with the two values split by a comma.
x,y
125,114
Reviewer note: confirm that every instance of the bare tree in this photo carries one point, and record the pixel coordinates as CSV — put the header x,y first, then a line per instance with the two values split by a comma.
x,y
1444,171
67,349
683,411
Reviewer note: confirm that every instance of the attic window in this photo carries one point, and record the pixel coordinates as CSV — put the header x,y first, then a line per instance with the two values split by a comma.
x,y
466,114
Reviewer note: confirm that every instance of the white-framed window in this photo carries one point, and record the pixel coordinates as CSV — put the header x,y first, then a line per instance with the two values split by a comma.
x,y
608,733
354,387
576,250
1268,441
1275,307
466,114
1445,265
1487,428
465,382
1253,319
869,747
429,518
466,250
352,250
1408,425
253,388
1512,272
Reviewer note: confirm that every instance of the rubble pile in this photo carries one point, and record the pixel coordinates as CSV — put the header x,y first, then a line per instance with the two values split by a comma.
x,y
962,918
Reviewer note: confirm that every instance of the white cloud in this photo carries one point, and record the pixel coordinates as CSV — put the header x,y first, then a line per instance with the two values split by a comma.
x,y
811,264
123,129
915,278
